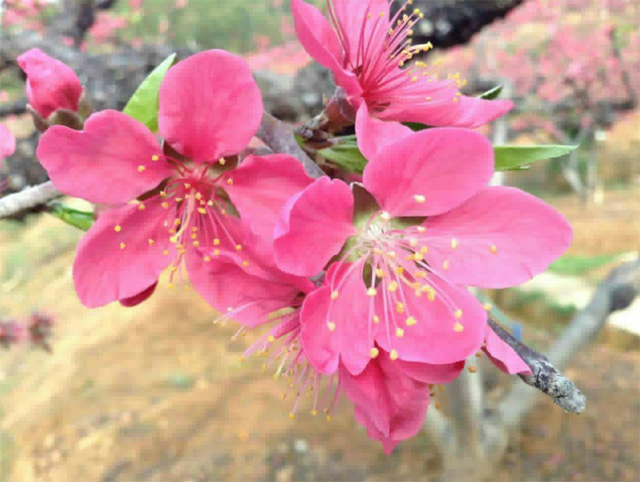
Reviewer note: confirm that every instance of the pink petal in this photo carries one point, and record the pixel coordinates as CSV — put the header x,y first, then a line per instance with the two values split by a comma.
x,y
502,237
313,227
210,106
503,356
374,134
316,35
340,329
260,187
434,338
433,374
429,172
51,84
7,142
229,288
115,260
433,104
140,297
109,162
390,404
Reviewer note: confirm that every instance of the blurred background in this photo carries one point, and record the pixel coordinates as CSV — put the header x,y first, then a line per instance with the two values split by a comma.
x,y
158,393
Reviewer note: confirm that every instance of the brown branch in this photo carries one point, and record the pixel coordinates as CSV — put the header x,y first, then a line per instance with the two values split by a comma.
x,y
615,293
280,138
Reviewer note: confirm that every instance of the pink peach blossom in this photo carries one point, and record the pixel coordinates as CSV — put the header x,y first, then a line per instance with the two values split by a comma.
x,y
170,207
51,84
424,227
7,142
367,50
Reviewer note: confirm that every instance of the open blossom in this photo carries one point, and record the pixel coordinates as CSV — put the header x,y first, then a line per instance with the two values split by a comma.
x,y
371,56
7,142
51,84
406,246
176,205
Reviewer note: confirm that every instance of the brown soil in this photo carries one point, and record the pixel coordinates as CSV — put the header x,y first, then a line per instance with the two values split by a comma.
x,y
158,393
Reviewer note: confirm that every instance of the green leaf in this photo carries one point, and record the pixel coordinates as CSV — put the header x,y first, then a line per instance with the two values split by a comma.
x,y
416,126
510,158
491,94
345,155
79,219
143,105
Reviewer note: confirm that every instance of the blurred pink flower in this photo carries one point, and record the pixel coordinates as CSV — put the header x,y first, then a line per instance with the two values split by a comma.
x,y
7,142
51,84
179,214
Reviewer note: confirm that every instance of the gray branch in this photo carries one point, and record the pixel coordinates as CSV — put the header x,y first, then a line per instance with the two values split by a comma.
x,y
27,199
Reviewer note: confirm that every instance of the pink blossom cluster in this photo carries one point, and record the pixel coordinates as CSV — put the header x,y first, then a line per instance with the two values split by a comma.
x,y
364,285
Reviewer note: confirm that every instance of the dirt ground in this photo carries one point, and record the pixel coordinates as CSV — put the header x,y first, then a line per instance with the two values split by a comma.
x,y
157,393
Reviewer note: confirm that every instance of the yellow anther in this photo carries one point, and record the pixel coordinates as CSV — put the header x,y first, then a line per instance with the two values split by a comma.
x,y
414,79
411,321
393,355
400,307
179,199
458,327
335,294
458,314
374,352
419,198
141,207
166,252
165,205
292,415
141,168
187,185
196,244
207,258
472,369
421,229
384,215
420,274
399,332
230,182
202,210
151,241
424,250
122,245
393,286
380,273
238,247
198,195
222,161
391,254
328,418
271,338
493,248
487,306
454,243
245,263
376,319
400,270
418,257
194,236
445,265
118,228
155,158
216,242
216,252
431,295
163,194
176,222
413,242
331,325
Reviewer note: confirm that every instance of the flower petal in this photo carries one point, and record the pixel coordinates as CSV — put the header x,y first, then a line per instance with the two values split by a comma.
x,y
210,106
313,227
116,260
316,35
391,405
140,297
434,335
230,289
373,134
111,161
51,84
429,172
503,356
502,237
260,186
7,142
432,374
338,329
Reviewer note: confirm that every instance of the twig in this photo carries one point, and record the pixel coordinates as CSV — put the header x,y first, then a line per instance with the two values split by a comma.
x,y
279,137
615,293
14,108
27,199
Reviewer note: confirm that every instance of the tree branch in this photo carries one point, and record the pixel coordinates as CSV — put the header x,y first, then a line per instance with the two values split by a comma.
x,y
27,199
16,107
615,293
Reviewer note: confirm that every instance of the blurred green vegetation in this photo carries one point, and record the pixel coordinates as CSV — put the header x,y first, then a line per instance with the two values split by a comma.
x,y
581,265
